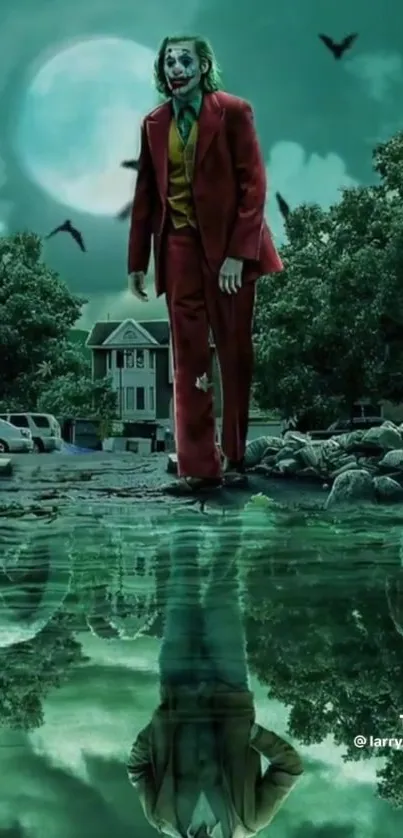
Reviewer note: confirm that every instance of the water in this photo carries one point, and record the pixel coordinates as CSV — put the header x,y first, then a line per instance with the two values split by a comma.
x,y
112,608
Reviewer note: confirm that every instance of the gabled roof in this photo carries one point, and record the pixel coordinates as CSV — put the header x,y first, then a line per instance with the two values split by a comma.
x,y
158,331
129,333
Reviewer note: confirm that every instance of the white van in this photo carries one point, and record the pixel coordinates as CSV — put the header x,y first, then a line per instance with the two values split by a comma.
x,y
15,440
45,429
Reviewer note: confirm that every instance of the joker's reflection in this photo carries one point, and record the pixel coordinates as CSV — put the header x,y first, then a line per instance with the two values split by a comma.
x,y
197,765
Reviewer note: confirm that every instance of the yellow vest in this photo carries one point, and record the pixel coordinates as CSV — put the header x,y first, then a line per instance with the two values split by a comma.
x,y
180,175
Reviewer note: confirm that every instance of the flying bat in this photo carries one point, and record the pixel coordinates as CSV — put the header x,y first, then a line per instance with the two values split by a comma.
x,y
338,49
283,206
125,212
67,227
130,164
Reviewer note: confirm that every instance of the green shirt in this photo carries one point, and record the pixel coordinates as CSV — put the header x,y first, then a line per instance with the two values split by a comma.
x,y
186,113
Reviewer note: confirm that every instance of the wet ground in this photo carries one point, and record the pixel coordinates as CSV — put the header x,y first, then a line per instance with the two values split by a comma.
x,y
58,479
89,549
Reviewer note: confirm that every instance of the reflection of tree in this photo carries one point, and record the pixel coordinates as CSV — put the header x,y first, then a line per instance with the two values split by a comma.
x,y
321,637
28,671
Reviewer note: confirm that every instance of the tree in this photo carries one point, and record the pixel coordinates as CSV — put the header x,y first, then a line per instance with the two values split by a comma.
x,y
320,635
327,330
30,670
71,395
40,366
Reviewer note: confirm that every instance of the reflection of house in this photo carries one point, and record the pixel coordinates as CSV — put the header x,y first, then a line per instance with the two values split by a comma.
x,y
138,358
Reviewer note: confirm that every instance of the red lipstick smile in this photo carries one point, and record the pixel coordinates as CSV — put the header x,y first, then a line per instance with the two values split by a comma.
x,y
178,82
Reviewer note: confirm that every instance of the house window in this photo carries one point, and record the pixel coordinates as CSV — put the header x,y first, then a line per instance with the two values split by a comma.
x,y
140,398
152,359
129,358
152,399
109,359
119,359
140,359
130,398
119,400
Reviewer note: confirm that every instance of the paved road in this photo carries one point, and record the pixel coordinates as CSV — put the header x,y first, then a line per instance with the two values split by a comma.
x,y
62,479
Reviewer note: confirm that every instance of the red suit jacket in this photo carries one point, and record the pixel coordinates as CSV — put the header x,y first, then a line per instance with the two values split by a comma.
x,y
229,190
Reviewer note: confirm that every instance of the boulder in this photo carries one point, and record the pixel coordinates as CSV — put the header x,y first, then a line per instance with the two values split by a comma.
x,y
386,437
287,466
387,489
295,440
310,455
352,485
6,468
172,464
392,460
255,450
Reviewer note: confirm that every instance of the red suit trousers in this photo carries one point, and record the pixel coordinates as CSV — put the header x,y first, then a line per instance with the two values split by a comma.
x,y
196,304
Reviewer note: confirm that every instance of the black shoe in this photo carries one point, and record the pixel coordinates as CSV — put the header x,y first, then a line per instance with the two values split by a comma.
x,y
234,474
186,486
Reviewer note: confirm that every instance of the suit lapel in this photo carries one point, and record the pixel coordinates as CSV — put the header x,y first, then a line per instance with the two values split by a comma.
x,y
158,138
210,121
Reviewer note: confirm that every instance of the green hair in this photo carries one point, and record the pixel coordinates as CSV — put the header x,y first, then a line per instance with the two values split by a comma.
x,y
211,80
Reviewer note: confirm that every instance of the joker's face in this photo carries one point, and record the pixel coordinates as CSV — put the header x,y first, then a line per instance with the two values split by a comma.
x,y
183,68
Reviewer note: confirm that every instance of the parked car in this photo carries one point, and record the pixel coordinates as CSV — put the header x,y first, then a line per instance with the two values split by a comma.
x,y
15,440
343,426
45,429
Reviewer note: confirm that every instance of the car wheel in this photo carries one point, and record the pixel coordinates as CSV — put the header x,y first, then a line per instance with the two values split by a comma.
x,y
38,446
4,449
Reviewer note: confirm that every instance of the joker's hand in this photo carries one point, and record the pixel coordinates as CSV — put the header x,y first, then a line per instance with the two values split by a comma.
x,y
230,278
136,285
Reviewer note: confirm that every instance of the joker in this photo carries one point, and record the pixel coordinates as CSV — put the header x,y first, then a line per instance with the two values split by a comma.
x,y
200,195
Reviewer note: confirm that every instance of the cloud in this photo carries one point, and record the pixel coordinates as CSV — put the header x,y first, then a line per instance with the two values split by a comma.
x,y
302,178
379,72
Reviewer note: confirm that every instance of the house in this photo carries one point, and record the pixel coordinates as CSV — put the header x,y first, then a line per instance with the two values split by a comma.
x,y
138,358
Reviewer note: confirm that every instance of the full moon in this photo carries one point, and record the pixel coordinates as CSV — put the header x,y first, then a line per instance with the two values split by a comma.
x,y
81,117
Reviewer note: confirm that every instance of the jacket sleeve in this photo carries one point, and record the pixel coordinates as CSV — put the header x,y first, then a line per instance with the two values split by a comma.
x,y
139,763
250,174
283,772
142,210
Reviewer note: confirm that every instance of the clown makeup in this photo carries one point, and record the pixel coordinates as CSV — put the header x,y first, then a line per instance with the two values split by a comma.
x,y
183,69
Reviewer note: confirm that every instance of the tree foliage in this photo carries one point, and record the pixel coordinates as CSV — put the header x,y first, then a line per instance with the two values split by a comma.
x,y
329,329
40,367
31,669
321,637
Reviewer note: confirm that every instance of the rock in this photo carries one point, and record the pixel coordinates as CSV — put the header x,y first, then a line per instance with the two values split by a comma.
x,y
6,468
269,460
287,466
387,489
352,485
286,453
374,453
385,436
295,440
310,456
255,450
351,440
345,467
262,468
309,471
172,464
392,459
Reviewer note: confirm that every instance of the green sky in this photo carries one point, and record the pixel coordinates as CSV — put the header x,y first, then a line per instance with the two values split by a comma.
x,y
67,779
331,113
